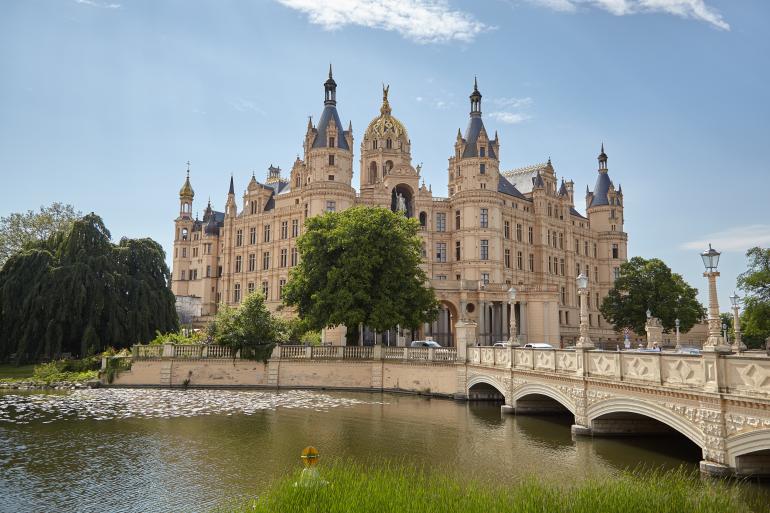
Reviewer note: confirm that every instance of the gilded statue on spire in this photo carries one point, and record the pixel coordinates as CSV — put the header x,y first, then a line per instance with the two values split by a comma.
x,y
385,109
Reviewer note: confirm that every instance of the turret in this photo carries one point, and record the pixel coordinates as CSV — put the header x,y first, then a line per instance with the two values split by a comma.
x,y
475,163
230,207
186,195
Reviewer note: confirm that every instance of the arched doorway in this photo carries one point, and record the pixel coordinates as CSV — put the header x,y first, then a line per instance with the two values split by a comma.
x,y
402,199
442,329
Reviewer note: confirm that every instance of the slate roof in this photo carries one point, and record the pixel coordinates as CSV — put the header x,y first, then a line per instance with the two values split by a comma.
x,y
522,178
321,139
601,188
506,187
475,126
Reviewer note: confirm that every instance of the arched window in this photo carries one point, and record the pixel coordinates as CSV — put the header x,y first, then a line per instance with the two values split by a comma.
x,y
184,233
373,172
389,144
423,219
374,144
388,166
297,181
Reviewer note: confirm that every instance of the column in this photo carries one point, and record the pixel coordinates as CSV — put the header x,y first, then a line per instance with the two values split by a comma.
x,y
504,330
482,316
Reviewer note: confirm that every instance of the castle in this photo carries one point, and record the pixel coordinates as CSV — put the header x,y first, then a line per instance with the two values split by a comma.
x,y
496,229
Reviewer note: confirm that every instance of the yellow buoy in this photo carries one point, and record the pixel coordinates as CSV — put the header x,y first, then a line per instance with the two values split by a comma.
x,y
310,456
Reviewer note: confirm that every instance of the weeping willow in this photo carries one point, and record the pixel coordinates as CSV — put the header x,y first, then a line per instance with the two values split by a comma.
x,y
79,293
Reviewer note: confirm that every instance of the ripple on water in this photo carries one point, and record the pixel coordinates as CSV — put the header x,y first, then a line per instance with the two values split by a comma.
x,y
110,404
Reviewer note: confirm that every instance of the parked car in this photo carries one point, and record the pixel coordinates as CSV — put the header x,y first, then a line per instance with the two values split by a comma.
x,y
425,343
501,344
689,350
539,345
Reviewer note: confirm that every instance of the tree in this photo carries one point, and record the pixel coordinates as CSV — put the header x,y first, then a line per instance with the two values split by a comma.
x,y
17,230
755,282
360,266
650,284
79,293
250,328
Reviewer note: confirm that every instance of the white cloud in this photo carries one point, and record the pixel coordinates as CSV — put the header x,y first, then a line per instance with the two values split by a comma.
x,y
423,21
512,103
694,9
510,118
95,3
740,238
244,105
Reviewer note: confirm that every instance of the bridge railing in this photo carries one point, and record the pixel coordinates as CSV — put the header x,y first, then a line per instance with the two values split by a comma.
x,y
743,374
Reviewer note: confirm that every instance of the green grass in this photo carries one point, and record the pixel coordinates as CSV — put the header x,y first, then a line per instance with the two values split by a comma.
x,y
8,371
47,373
394,488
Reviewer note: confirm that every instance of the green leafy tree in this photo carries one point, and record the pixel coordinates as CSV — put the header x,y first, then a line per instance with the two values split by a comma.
x,y
19,229
360,266
650,284
249,328
755,282
76,292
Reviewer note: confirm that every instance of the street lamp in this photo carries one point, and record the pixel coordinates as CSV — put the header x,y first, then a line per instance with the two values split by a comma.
x,y
678,344
724,334
584,342
513,338
710,261
738,345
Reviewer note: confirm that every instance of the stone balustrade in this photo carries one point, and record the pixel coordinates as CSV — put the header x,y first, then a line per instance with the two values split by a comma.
x,y
740,374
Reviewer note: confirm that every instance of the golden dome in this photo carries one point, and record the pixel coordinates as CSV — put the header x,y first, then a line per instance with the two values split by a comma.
x,y
186,191
385,125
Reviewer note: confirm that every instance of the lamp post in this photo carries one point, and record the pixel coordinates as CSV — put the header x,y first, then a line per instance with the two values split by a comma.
x,y
710,261
738,344
678,343
513,337
724,334
584,342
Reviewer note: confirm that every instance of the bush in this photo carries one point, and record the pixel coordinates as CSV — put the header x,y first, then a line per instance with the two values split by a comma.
x,y
180,337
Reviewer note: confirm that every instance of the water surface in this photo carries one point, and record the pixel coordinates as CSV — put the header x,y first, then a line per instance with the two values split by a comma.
x,y
152,451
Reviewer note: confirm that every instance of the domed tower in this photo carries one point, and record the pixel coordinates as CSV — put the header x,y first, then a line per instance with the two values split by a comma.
x,y
386,162
183,227
328,158
475,163
604,207
385,145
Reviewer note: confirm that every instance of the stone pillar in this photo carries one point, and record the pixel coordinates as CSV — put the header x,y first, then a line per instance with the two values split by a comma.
x,y
168,351
715,342
466,336
654,330
481,322
504,328
523,323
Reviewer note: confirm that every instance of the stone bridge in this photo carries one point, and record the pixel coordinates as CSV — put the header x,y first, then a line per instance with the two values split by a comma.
x,y
720,402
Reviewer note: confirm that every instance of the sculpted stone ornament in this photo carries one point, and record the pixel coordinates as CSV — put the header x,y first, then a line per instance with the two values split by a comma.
x,y
400,203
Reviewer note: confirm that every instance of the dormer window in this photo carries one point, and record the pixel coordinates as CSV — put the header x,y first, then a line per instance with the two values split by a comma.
x,y
374,144
331,142
389,144
482,152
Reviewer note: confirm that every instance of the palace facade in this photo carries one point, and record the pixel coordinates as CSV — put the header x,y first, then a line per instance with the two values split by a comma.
x,y
497,229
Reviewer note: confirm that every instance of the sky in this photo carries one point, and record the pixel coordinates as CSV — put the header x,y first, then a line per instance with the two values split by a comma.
x,y
102,102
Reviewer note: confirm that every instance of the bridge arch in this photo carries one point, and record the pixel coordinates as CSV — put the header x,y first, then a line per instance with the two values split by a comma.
x,y
486,380
540,389
745,444
653,411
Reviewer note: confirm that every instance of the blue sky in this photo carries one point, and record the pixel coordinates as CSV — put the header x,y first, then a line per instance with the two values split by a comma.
x,y
103,101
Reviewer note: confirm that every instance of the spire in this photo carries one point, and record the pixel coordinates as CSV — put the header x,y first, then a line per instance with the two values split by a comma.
x,y
309,123
232,187
475,99
459,134
350,126
603,160
186,192
330,89
385,109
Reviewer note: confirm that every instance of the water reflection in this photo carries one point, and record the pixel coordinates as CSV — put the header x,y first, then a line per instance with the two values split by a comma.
x,y
157,451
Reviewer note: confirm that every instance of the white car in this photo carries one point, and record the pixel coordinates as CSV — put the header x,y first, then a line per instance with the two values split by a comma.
x,y
501,344
538,345
425,343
